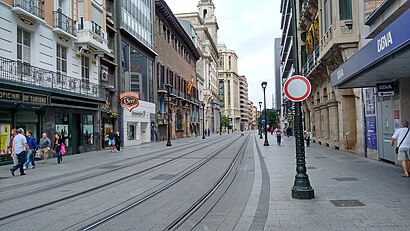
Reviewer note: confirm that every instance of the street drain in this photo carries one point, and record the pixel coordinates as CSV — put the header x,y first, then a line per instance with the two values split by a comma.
x,y
347,203
346,179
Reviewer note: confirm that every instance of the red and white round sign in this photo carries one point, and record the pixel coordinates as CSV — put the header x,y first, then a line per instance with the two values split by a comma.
x,y
297,88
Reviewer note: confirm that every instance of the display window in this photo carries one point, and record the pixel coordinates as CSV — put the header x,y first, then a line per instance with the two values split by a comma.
x,y
62,128
88,129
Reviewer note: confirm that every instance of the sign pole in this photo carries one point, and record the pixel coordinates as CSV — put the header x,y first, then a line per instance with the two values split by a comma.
x,y
301,188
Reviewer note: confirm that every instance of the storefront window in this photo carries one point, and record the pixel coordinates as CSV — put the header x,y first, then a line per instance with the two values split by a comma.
x,y
62,120
88,129
131,131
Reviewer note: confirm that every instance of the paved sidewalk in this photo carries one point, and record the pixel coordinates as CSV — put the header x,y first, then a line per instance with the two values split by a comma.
x,y
335,175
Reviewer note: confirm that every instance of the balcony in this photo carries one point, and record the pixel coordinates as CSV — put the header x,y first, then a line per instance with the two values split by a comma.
x,y
179,94
91,35
13,72
64,25
311,62
29,11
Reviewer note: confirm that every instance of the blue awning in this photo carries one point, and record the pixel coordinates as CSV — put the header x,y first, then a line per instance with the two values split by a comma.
x,y
385,58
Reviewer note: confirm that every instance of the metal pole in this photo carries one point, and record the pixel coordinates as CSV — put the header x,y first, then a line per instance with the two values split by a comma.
x,y
260,123
169,115
301,188
220,124
266,143
203,120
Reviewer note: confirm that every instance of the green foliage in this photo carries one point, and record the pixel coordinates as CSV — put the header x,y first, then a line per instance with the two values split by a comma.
x,y
272,116
224,121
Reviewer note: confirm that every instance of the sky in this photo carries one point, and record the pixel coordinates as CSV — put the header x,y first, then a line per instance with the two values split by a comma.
x,y
250,30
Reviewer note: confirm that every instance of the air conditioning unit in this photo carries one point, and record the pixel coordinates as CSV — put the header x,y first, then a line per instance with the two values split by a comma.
x,y
104,73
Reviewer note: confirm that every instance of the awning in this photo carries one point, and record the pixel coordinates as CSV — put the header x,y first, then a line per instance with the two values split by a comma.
x,y
385,58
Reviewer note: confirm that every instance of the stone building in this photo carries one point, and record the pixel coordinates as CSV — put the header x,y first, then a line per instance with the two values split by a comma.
x,y
243,103
229,83
175,65
205,26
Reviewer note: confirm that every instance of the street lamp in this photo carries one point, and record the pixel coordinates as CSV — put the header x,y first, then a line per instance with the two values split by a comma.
x,y
260,123
169,89
229,124
203,119
266,124
220,123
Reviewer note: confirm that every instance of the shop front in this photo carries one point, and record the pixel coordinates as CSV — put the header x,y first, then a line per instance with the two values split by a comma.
x,y
19,109
380,68
137,124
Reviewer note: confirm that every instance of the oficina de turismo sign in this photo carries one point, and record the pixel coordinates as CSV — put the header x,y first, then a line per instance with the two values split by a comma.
x,y
129,100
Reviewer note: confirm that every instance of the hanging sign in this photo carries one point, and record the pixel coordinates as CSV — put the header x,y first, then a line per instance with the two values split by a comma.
x,y
129,100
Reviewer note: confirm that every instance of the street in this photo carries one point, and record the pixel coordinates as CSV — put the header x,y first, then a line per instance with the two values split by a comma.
x,y
225,182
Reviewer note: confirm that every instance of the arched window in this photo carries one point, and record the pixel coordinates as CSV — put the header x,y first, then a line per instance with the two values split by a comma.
x,y
205,15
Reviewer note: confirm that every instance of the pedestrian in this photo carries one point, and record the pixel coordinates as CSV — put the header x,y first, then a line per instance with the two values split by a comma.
x,y
403,146
209,132
278,136
111,140
44,147
306,135
10,147
242,133
58,142
20,148
117,140
32,143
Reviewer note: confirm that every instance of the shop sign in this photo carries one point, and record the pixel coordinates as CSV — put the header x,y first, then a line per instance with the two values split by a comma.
x,y
129,100
30,98
385,89
11,95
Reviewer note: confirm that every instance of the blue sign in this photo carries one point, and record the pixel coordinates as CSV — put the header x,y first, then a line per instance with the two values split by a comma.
x,y
262,120
390,40
371,135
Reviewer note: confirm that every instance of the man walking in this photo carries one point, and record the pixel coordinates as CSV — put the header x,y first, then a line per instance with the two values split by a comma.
x,y
32,143
403,143
19,148
44,147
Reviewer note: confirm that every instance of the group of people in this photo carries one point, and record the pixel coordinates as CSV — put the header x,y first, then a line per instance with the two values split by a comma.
x,y
24,149
114,140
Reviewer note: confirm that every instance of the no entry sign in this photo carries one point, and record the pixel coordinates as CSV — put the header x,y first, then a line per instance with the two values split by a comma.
x,y
297,88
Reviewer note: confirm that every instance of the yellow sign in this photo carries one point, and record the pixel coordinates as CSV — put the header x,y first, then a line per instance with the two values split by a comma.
x,y
4,138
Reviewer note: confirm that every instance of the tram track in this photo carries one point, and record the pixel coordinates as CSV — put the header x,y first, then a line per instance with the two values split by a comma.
x,y
105,185
193,208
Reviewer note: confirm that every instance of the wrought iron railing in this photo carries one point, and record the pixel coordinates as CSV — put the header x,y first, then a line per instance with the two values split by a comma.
x,y
97,29
179,93
311,62
35,7
16,71
64,22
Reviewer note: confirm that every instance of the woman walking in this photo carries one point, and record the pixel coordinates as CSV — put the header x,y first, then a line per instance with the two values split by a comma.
x,y
117,140
57,148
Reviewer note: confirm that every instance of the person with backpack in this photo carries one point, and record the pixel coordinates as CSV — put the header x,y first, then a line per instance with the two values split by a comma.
x,y
32,143
307,135
117,140
20,148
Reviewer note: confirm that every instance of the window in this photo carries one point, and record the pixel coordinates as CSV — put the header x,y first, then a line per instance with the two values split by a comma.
x,y
179,121
135,80
85,68
132,131
23,51
221,93
229,93
345,9
327,14
61,62
229,63
88,129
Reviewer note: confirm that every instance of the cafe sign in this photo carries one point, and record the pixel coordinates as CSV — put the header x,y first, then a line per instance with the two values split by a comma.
x,y
129,100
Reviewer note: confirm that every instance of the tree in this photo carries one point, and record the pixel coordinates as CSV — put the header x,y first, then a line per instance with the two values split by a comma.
x,y
224,121
272,117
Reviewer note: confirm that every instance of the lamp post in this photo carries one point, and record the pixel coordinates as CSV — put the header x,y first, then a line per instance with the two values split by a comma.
x,y
301,188
169,89
203,120
220,123
266,124
228,124
260,123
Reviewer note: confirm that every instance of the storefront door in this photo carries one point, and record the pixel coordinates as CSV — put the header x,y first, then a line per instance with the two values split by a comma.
x,y
386,123
75,134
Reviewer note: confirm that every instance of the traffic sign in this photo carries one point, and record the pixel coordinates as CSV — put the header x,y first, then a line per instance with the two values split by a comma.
x,y
262,120
297,88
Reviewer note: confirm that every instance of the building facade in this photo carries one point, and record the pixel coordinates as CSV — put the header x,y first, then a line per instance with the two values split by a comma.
x,y
243,103
50,70
136,56
175,65
229,82
379,69
206,27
